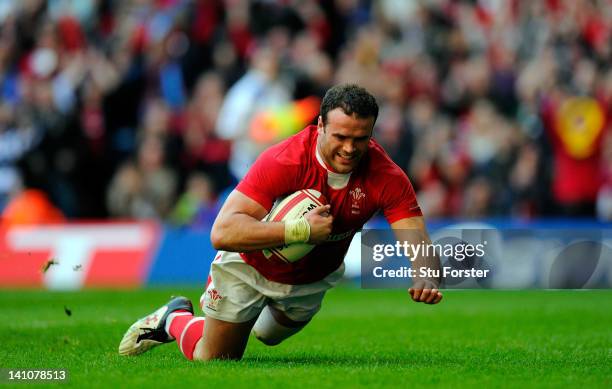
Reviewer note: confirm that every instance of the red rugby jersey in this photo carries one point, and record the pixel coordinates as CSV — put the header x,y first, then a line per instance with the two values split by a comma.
x,y
294,164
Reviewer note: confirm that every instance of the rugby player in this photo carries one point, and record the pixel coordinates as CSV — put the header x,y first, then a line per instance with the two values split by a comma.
x,y
274,299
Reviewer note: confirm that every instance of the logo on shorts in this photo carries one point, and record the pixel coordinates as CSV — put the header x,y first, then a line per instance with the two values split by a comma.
x,y
358,197
213,299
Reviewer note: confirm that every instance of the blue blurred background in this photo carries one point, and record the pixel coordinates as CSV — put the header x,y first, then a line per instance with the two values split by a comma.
x,y
154,109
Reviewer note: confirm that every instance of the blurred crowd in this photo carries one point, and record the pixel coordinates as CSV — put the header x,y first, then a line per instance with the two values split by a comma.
x,y
155,108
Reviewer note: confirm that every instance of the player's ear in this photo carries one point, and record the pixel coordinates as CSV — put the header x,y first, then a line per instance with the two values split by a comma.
x,y
320,125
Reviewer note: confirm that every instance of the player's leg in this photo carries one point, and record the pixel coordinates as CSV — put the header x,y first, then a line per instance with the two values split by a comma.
x,y
273,326
286,316
283,318
175,321
231,307
223,340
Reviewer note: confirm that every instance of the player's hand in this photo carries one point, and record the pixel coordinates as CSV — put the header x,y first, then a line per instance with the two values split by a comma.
x,y
425,292
320,224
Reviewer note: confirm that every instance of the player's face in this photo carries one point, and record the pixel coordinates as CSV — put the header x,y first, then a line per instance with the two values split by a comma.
x,y
344,139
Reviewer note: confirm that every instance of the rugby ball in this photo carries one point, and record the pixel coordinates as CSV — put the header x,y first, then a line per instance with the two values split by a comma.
x,y
294,206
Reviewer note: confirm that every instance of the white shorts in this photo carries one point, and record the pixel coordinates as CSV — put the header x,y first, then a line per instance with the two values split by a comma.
x,y
237,292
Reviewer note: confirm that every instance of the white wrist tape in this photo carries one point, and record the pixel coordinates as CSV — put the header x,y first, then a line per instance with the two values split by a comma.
x,y
297,231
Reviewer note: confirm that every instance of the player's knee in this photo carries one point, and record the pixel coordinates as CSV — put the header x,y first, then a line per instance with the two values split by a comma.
x,y
211,356
270,332
267,339
208,358
204,353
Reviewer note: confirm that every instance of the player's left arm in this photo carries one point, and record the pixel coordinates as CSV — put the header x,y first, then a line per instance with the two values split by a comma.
x,y
414,231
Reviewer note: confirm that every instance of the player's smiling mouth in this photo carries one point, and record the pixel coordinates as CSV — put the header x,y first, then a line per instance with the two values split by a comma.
x,y
346,159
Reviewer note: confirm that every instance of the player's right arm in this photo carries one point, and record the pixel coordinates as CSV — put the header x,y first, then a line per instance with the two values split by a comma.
x,y
238,226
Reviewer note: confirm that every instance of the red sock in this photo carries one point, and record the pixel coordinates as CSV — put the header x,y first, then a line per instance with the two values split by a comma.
x,y
187,330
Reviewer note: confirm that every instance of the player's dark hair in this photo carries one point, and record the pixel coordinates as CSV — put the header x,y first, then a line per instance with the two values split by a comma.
x,y
352,99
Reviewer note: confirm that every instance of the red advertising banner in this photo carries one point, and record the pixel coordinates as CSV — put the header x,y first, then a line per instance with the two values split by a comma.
x,y
77,255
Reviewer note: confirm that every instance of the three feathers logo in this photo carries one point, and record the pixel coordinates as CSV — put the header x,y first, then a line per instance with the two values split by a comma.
x,y
357,197
213,299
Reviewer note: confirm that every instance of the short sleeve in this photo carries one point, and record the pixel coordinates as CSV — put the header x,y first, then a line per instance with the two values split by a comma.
x,y
268,179
398,200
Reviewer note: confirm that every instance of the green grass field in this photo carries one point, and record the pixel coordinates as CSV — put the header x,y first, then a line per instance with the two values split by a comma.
x,y
360,339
